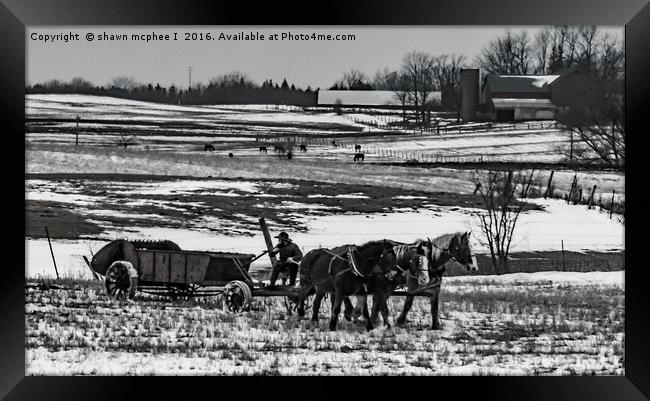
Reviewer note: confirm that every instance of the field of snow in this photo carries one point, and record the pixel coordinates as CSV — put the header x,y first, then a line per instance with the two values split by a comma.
x,y
506,325
189,212
232,127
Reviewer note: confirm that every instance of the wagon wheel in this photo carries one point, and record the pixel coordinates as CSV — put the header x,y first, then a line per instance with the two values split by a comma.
x,y
121,280
238,296
291,303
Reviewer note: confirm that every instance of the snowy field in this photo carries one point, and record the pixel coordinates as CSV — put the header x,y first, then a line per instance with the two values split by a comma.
x,y
221,215
534,324
179,128
167,187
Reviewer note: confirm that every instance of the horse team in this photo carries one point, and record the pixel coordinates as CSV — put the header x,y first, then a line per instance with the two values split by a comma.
x,y
377,268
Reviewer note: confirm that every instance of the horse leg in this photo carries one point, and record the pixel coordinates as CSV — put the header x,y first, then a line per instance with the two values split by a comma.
x,y
347,312
435,323
304,291
401,320
384,313
378,304
316,307
375,309
366,315
336,308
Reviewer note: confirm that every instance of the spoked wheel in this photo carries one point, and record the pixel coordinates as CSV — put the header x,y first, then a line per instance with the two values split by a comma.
x,y
291,303
121,280
237,296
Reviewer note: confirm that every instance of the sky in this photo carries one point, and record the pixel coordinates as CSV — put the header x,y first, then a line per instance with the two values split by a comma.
x,y
302,62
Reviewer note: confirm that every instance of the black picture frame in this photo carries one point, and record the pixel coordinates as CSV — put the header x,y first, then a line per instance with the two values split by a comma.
x,y
16,15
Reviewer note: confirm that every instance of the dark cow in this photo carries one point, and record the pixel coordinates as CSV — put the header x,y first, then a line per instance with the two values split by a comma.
x,y
209,147
359,156
289,155
231,155
263,149
335,144
303,147
357,148
279,148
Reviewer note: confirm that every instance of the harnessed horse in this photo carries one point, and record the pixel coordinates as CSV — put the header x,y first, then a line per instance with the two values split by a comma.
x,y
343,271
447,247
420,267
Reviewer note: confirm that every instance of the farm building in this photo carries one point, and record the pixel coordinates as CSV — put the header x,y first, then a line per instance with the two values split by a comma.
x,y
536,97
365,98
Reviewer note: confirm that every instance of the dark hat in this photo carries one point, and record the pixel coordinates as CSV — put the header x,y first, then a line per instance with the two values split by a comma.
x,y
283,236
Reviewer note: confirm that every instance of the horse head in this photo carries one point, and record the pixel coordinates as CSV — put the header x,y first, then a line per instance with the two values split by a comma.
x,y
461,251
380,257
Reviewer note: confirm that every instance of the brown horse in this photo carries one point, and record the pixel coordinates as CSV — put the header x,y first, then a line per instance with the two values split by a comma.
x,y
447,247
343,271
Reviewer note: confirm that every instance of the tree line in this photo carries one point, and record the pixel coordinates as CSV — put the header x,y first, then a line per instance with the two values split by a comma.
x,y
231,88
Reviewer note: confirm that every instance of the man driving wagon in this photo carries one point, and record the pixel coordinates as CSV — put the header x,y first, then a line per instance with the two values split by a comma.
x,y
289,259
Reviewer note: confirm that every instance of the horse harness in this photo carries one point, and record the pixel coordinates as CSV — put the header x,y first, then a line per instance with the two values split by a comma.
x,y
350,260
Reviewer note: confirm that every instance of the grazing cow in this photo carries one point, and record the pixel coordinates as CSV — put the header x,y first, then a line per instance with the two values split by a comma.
x,y
289,155
335,144
358,156
231,155
303,147
263,149
209,147
357,148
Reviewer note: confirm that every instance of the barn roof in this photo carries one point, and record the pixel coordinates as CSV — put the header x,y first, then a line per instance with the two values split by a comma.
x,y
364,97
506,103
520,83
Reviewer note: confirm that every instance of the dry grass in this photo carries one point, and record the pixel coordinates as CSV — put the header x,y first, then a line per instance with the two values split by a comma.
x,y
531,328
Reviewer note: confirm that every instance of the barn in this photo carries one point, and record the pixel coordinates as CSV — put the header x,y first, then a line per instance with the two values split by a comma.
x,y
518,97
536,97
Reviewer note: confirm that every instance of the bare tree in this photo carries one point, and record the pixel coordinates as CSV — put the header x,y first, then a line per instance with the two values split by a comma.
x,y
600,126
611,58
354,79
509,54
541,49
498,193
417,69
446,72
123,82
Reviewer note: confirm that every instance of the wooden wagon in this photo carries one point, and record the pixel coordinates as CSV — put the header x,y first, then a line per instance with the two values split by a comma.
x,y
163,268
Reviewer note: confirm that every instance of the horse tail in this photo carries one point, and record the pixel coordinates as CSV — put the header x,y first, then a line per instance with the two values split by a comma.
x,y
305,268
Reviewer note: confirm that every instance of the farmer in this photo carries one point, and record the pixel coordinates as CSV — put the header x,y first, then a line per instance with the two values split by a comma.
x,y
290,256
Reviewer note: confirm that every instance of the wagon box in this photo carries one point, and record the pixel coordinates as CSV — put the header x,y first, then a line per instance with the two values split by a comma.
x,y
189,267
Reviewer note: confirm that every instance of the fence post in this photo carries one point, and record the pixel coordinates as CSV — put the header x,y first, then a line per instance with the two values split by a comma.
x,y
51,252
563,266
573,184
548,186
530,179
591,197
611,207
579,200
